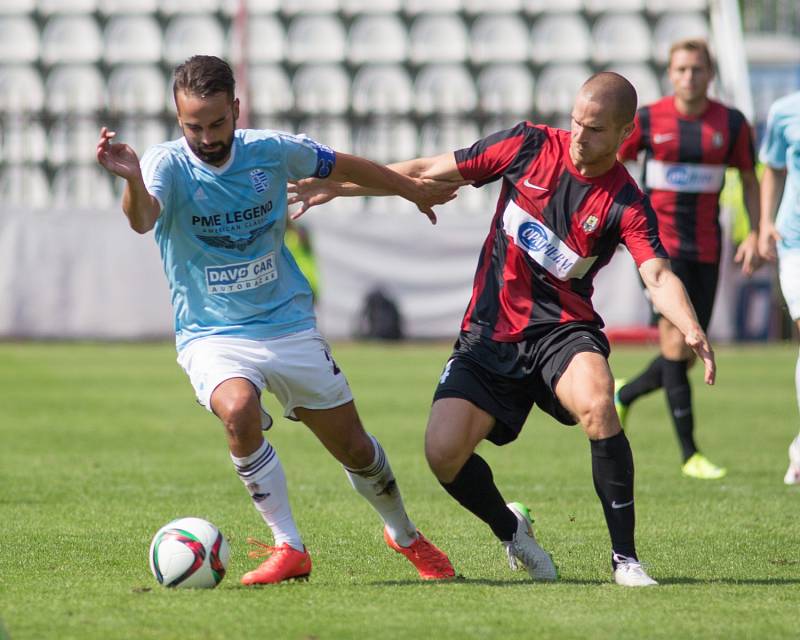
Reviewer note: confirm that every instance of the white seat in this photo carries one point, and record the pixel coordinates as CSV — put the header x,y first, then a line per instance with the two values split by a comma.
x,y
536,7
438,39
416,7
506,88
19,39
136,89
270,90
83,186
23,141
71,39
174,7
25,186
21,89
377,38
17,7
73,140
126,7
321,89
498,38
296,7
644,80
676,26
266,40
611,6
446,89
382,89
660,6
358,7
560,38
76,89
492,6
623,37
333,132
142,133
386,140
189,35
557,86
254,7
132,40
48,7
440,135
316,39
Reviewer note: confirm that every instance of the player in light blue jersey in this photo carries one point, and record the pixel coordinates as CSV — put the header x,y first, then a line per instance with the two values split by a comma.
x,y
780,237
244,320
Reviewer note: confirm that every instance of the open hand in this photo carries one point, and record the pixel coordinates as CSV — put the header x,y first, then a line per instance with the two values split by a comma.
x,y
698,342
119,159
747,254
310,192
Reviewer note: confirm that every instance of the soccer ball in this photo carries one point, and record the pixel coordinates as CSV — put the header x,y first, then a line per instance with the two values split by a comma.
x,y
189,552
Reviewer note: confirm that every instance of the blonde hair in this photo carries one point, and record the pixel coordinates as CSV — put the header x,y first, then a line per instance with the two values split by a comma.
x,y
692,44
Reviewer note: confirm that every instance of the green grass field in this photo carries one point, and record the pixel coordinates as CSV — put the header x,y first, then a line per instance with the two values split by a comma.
x,y
102,444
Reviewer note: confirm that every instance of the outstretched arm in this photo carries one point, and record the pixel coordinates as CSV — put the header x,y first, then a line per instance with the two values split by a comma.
x,y
141,208
747,252
437,174
671,300
772,183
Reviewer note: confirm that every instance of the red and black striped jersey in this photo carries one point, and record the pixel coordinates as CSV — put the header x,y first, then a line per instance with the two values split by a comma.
x,y
552,230
684,171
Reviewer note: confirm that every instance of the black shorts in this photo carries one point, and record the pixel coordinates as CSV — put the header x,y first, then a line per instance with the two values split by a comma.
x,y
700,280
506,379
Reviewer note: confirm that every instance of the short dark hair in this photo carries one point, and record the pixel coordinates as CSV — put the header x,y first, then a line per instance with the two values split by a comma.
x,y
619,93
204,76
697,45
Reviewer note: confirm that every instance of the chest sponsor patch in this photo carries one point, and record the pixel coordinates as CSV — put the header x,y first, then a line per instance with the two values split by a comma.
x,y
684,177
543,245
242,276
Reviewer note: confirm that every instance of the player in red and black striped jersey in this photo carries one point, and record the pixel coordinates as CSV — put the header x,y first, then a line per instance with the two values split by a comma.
x,y
689,141
530,334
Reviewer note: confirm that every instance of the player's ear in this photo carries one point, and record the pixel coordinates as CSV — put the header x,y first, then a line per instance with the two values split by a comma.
x,y
236,108
627,130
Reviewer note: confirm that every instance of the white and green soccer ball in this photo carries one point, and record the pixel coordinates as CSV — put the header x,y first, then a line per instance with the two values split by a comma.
x,y
189,552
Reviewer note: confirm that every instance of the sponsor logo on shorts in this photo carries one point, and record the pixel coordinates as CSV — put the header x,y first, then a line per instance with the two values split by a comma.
x,y
446,371
242,276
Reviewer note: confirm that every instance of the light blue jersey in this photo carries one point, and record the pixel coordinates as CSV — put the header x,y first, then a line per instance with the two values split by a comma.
x,y
781,149
221,231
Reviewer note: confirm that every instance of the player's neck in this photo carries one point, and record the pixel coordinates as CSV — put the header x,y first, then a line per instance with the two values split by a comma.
x,y
691,107
593,169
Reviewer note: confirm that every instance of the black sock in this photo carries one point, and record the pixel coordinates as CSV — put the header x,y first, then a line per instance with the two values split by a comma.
x,y
648,380
612,471
679,399
475,490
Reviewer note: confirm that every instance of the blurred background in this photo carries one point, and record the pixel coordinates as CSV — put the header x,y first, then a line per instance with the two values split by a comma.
x,y
385,79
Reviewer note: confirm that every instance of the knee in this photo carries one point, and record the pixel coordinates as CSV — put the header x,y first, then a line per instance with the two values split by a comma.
x,y
444,459
239,412
598,417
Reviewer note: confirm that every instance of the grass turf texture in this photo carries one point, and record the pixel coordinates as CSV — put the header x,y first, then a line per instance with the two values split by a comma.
x,y
103,444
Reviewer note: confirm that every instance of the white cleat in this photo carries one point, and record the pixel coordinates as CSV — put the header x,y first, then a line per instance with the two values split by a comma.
x,y
630,573
524,551
793,472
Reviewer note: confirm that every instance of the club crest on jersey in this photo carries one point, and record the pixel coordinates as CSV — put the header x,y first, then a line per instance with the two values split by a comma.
x,y
590,224
259,180
717,140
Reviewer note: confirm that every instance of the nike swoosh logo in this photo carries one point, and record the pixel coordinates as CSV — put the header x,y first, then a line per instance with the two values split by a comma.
x,y
663,137
534,186
618,505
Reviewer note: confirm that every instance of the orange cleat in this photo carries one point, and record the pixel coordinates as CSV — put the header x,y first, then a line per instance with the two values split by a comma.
x,y
431,562
283,563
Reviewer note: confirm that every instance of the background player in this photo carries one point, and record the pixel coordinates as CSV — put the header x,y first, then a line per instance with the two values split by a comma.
x,y
530,334
780,152
243,312
689,140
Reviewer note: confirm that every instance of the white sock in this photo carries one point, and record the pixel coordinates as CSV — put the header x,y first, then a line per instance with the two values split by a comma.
x,y
797,379
262,474
376,483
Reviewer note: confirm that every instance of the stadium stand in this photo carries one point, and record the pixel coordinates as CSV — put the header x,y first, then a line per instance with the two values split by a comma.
x,y
382,90
377,38
132,39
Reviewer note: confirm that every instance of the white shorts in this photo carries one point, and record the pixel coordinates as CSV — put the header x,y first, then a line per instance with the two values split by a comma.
x,y
789,274
298,369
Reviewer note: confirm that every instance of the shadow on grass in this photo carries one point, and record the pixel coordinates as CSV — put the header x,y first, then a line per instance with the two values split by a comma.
x,y
478,582
766,582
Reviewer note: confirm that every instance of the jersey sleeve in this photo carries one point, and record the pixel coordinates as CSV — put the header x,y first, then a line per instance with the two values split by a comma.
x,y
157,173
490,157
633,143
743,154
774,147
306,158
639,232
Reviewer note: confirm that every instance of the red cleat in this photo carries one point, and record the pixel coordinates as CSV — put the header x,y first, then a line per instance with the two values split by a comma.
x,y
430,561
283,563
